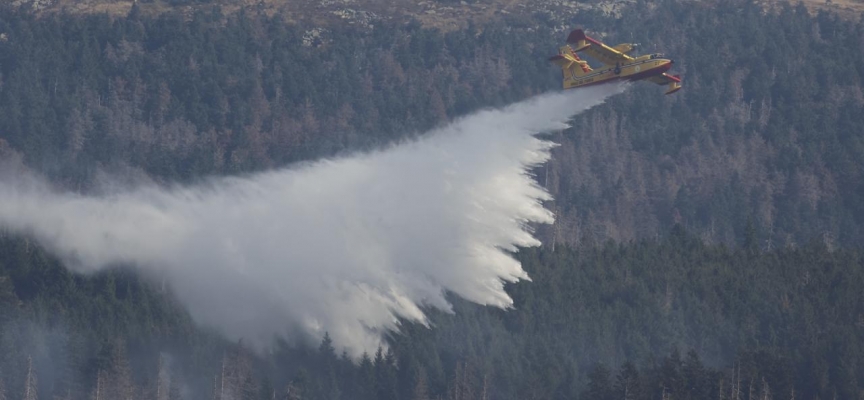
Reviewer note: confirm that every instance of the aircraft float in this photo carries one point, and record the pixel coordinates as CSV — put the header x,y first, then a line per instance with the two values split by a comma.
x,y
617,65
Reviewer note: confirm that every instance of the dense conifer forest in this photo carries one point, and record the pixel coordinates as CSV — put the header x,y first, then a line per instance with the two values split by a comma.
x,y
708,245
677,316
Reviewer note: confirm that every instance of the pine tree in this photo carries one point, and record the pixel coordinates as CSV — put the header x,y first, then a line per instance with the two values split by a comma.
x,y
627,383
367,378
117,377
421,389
299,386
8,300
385,376
751,241
599,384
695,382
670,374
267,391
174,389
69,385
326,348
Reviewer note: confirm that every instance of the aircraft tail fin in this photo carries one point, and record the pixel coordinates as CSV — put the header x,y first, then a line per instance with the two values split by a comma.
x,y
575,36
578,40
571,65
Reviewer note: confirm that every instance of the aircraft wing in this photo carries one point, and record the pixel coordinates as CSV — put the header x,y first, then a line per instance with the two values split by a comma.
x,y
664,79
597,49
562,60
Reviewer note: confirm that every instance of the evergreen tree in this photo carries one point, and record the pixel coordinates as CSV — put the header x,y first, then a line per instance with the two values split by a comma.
x,y
421,389
599,384
174,389
696,381
627,382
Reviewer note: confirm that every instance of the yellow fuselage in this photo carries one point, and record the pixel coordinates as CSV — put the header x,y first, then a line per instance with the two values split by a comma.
x,y
639,68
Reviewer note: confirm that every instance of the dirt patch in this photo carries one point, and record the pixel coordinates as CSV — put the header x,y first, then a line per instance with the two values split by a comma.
x,y
846,8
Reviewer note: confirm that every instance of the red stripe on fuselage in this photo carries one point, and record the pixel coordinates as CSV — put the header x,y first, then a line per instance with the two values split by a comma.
x,y
635,77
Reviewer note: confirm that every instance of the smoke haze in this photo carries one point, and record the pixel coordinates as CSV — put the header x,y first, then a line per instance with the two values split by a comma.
x,y
345,246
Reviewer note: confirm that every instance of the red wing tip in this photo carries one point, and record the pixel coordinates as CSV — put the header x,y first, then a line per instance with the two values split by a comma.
x,y
676,78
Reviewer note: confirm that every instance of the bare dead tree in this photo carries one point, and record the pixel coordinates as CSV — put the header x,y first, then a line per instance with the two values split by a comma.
x,y
766,391
222,378
163,379
30,382
98,391
750,389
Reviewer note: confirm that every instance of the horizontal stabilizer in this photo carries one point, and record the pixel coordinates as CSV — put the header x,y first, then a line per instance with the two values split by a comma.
x,y
560,60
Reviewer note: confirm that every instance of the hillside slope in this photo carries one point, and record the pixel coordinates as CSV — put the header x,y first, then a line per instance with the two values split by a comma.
x,y
443,14
763,149
758,135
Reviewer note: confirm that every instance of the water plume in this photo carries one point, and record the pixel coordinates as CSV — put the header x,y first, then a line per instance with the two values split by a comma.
x,y
346,246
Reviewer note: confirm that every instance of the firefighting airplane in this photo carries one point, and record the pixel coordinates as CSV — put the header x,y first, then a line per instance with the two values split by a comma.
x,y
617,64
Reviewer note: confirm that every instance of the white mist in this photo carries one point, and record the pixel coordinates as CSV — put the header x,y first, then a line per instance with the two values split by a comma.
x,y
345,246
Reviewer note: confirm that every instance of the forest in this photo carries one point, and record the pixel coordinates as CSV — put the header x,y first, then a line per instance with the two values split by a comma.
x,y
761,133
674,318
706,244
